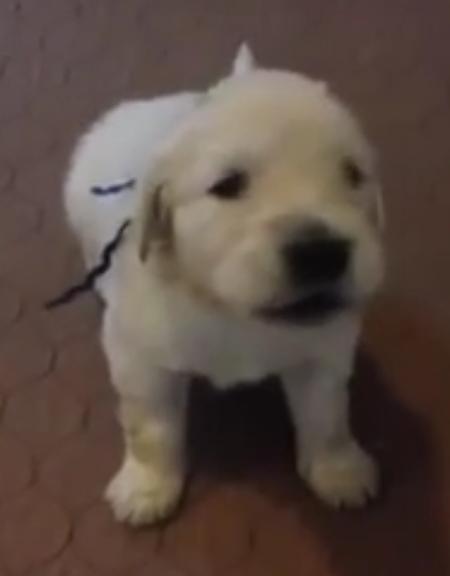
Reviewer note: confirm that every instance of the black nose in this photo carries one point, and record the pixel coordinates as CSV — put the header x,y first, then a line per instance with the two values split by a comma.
x,y
317,256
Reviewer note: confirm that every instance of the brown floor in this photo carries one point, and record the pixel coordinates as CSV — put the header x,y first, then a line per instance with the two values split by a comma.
x,y
61,63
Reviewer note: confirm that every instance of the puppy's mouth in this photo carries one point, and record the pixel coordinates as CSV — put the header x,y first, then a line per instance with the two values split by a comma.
x,y
315,307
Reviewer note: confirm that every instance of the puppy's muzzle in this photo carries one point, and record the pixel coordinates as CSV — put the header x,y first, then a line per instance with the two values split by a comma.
x,y
316,257
317,261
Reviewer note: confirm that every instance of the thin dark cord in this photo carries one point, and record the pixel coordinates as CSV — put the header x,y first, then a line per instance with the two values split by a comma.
x,y
114,189
89,281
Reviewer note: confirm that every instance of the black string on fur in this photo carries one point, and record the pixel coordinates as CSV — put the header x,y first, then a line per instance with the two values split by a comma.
x,y
114,189
91,277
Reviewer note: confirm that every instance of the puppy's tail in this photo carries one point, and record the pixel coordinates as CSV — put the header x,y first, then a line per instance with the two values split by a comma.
x,y
244,61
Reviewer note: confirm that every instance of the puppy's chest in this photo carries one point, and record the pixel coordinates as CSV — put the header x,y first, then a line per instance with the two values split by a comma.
x,y
178,333
229,351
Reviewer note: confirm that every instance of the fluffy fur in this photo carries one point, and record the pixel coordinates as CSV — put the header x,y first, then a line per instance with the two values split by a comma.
x,y
187,288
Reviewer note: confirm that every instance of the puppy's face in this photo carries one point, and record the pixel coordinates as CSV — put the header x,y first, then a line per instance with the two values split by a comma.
x,y
274,200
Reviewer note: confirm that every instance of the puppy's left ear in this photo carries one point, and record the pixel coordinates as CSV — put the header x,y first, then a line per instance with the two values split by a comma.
x,y
155,224
380,213
244,61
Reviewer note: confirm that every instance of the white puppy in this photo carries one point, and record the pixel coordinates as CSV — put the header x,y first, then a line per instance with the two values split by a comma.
x,y
255,242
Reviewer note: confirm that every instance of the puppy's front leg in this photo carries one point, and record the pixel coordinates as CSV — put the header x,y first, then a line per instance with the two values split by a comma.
x,y
329,458
148,485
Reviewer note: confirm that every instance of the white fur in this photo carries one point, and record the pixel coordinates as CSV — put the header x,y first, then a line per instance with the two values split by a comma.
x,y
191,312
244,61
121,145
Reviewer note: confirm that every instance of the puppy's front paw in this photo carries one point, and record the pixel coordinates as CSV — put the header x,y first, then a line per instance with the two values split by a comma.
x,y
345,477
139,495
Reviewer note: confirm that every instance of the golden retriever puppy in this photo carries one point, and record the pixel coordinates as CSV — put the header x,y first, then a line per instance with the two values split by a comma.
x,y
254,245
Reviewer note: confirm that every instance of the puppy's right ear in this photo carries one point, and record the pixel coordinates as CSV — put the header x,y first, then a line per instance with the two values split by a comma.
x,y
155,225
244,61
380,213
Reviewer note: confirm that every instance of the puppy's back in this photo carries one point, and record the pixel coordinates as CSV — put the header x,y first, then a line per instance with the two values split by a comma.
x,y
118,149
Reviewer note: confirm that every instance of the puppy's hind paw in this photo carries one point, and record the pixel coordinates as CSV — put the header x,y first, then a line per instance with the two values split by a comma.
x,y
347,477
140,496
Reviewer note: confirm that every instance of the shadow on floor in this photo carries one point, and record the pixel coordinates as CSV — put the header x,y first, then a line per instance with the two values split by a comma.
x,y
245,435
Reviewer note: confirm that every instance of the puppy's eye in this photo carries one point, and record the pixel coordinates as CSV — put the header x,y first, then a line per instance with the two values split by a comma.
x,y
353,174
231,186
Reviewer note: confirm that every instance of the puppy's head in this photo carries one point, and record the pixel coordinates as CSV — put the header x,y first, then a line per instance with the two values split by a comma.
x,y
270,196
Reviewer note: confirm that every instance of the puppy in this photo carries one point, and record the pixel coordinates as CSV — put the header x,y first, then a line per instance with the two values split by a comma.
x,y
255,243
